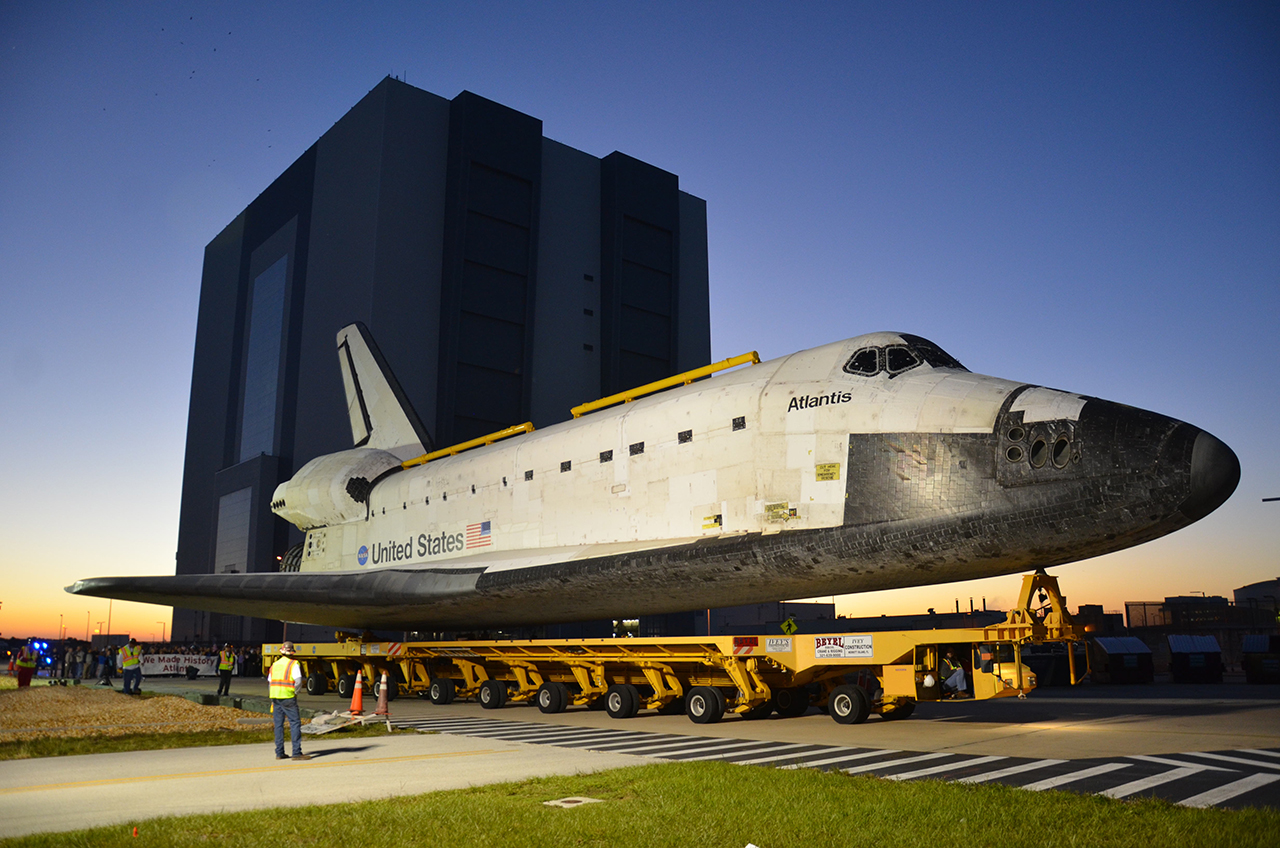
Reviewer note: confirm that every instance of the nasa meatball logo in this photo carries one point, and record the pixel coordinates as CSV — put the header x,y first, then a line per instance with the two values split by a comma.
x,y
363,554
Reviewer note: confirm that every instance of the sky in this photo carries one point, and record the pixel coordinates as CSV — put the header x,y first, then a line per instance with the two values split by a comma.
x,y
1079,195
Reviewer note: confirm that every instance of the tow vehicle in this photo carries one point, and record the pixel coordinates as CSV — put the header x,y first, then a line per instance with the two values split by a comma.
x,y
849,675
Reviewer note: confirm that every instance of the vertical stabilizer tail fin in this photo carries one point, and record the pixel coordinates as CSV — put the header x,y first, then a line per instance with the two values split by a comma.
x,y
381,416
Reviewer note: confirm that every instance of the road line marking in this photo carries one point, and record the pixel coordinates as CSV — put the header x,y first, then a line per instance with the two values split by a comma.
x,y
1124,790
1072,777
1164,761
717,754
1008,772
771,756
863,756
226,772
1229,790
898,762
1258,751
1224,758
925,772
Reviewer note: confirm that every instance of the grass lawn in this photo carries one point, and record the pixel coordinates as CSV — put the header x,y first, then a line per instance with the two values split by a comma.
x,y
710,804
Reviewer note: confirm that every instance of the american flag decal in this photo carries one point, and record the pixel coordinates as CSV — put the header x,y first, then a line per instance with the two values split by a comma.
x,y
478,535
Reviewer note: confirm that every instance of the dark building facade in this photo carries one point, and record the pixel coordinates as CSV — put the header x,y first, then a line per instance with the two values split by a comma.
x,y
506,277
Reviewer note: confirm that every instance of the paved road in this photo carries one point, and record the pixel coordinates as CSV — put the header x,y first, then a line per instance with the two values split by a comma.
x,y
1232,778
69,793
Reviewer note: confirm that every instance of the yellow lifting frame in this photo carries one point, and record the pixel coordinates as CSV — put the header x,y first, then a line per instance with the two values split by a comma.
x,y
649,388
526,427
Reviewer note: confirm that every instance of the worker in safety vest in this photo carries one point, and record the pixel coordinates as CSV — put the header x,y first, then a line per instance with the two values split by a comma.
x,y
28,659
226,662
284,678
953,680
131,663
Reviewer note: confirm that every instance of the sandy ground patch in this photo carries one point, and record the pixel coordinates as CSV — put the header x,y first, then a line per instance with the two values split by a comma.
x,y
67,711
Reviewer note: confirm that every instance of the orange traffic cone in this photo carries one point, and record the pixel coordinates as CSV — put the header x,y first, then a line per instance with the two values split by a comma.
x,y
357,697
382,709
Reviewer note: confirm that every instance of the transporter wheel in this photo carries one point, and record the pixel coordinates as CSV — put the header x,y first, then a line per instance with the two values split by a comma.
x,y
595,705
758,712
704,705
674,707
622,700
791,702
493,694
441,691
393,689
552,697
848,704
346,685
903,710
317,684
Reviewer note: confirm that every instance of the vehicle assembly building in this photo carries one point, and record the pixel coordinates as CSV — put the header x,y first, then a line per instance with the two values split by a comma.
x,y
506,276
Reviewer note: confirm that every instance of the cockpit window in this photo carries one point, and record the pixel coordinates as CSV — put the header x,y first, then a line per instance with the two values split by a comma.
x,y
899,358
865,362
931,353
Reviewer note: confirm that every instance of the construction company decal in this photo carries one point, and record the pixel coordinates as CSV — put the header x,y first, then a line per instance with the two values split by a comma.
x,y
743,645
815,401
842,647
777,645
425,546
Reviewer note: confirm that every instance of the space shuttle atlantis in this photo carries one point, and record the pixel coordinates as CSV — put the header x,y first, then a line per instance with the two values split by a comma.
x,y
872,463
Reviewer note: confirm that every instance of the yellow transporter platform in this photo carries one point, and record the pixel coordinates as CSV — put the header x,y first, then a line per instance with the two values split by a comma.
x,y
850,674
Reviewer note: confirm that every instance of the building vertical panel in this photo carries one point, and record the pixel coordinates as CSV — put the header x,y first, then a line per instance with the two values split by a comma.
x,y
490,268
640,269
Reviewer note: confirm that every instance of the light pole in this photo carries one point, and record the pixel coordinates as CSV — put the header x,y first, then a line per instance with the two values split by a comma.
x,y
86,624
110,601
162,624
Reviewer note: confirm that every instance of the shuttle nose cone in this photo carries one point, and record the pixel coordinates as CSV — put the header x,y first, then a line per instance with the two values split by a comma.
x,y
1215,471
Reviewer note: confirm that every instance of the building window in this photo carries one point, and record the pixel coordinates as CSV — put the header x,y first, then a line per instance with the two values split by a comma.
x,y
231,548
262,363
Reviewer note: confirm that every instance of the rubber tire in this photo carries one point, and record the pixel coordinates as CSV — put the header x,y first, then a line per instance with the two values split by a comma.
x,y
704,705
675,707
595,705
317,684
901,712
791,703
393,689
442,691
849,704
346,685
552,697
492,695
622,701
759,712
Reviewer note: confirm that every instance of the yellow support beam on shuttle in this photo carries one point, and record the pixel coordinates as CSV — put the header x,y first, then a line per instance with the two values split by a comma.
x,y
526,427
649,388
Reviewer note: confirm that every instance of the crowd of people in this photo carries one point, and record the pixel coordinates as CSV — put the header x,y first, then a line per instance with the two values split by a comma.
x,y
81,661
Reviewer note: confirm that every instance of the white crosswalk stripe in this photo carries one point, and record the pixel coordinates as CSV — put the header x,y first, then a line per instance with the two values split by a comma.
x,y
894,763
1133,787
1009,772
1227,791
926,772
1072,777
1231,767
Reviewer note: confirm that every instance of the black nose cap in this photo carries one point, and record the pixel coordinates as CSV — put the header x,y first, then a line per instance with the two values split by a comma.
x,y
1215,471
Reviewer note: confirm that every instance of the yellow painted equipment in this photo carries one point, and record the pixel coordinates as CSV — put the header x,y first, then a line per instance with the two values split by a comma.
x,y
850,674
481,441
658,385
